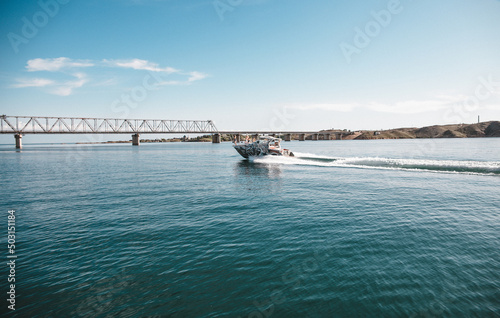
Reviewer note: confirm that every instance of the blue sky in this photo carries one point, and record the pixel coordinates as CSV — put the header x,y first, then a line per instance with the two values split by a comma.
x,y
254,64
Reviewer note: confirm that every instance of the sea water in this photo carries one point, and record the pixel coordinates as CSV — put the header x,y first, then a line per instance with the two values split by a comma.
x,y
382,228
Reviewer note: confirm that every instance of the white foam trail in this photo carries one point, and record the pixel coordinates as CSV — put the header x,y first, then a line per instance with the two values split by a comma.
x,y
310,155
446,166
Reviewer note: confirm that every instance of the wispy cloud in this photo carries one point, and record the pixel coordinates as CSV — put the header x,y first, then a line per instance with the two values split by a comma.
x,y
418,106
138,64
196,76
401,107
410,106
144,65
192,77
56,64
61,88
70,67
32,82
66,88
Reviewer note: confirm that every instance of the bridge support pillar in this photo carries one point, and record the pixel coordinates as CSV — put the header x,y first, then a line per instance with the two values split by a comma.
x,y
135,140
339,136
327,136
238,138
288,137
216,138
314,137
302,137
19,142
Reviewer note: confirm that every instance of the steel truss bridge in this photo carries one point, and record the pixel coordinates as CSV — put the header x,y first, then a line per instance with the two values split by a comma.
x,y
22,125
73,125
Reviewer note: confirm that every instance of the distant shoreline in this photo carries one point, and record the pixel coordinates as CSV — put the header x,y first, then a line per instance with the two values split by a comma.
x,y
204,138
479,130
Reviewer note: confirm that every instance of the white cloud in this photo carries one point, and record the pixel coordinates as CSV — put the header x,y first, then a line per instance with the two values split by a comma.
x,y
419,106
32,82
63,88
55,64
66,88
66,66
410,106
138,64
196,76
402,107
192,77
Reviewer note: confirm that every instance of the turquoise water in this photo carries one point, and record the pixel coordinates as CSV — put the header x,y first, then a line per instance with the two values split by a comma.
x,y
387,228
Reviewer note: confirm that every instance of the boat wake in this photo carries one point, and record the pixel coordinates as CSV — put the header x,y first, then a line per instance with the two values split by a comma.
x,y
443,166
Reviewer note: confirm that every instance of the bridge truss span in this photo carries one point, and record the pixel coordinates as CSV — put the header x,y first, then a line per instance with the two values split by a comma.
x,y
75,125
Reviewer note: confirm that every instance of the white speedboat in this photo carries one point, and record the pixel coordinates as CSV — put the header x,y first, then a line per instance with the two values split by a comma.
x,y
262,147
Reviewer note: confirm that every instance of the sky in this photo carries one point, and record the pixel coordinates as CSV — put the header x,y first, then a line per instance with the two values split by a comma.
x,y
253,64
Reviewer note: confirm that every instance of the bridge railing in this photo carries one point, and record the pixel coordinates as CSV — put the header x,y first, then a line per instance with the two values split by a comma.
x,y
75,125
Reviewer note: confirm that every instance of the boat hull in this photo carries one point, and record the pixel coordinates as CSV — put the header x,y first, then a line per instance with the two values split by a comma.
x,y
251,150
260,149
